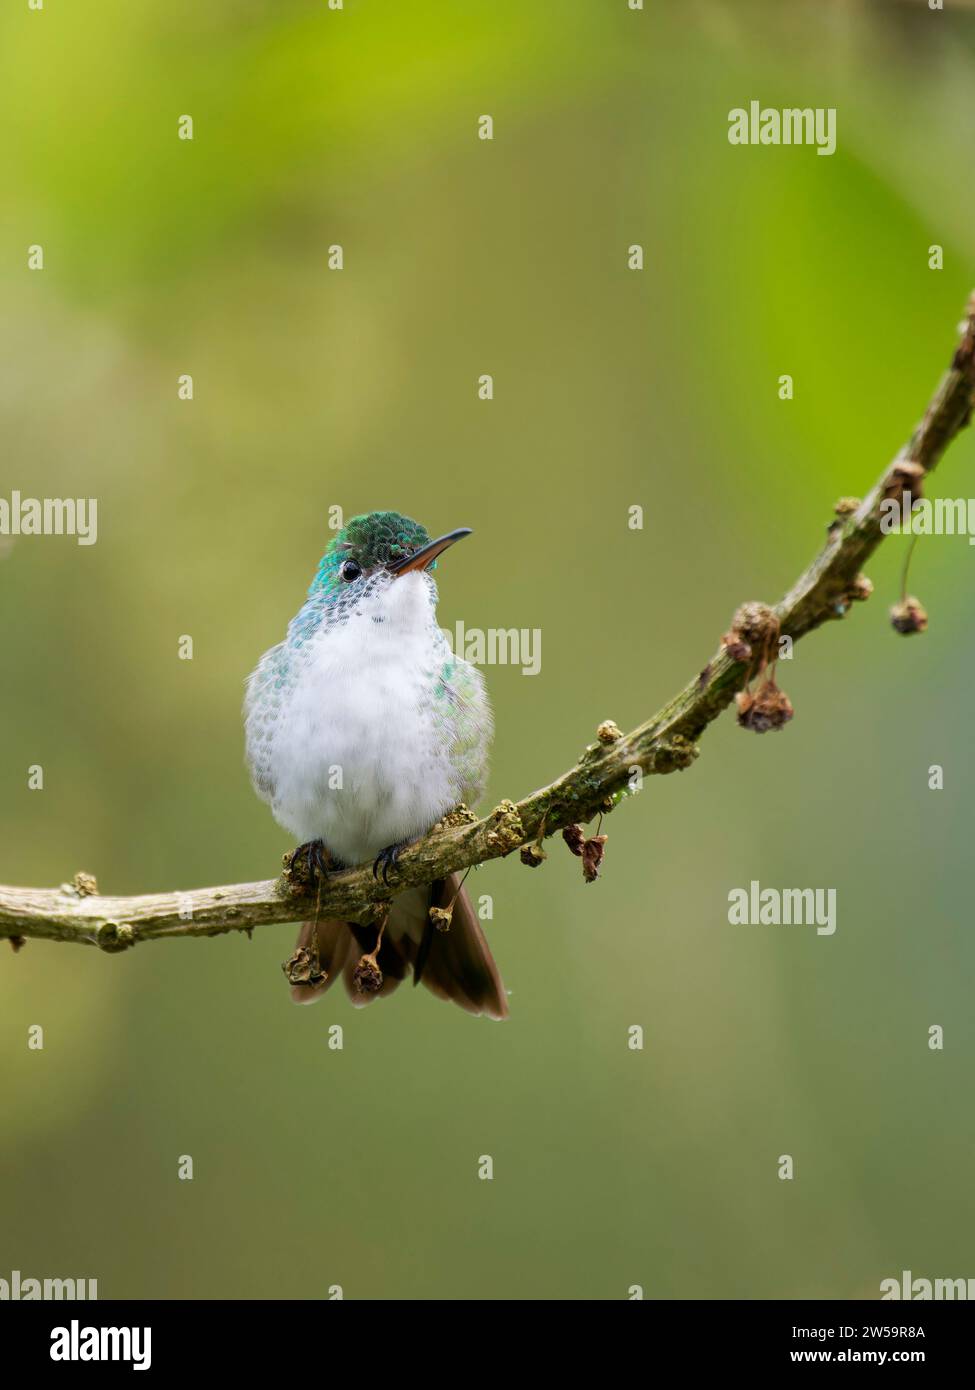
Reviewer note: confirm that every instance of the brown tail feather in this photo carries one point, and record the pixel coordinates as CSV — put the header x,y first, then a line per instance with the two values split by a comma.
x,y
340,946
456,964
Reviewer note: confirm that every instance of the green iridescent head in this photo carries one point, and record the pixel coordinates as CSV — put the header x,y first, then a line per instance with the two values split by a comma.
x,y
378,541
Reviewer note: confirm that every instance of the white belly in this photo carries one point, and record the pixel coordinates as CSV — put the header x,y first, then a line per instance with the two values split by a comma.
x,y
357,758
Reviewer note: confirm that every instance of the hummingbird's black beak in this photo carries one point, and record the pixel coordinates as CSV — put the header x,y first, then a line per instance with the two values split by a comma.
x,y
424,557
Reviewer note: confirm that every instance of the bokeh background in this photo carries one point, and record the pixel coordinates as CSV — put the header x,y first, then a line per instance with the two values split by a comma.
x,y
612,388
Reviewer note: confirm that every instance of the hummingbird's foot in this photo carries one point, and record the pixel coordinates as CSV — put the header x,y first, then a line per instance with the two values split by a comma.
x,y
386,859
310,862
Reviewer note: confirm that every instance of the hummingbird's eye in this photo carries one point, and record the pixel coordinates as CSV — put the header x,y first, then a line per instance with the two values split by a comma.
x,y
350,570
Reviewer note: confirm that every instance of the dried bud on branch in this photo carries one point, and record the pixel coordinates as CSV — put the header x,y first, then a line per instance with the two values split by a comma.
x,y
736,647
861,589
769,708
908,616
608,731
592,857
507,832
575,837
756,624
303,968
367,976
533,855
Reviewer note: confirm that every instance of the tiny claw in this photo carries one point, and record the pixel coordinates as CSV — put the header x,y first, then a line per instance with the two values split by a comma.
x,y
316,858
387,858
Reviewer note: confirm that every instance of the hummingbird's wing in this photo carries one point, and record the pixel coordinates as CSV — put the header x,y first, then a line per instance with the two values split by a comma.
x,y
467,726
260,717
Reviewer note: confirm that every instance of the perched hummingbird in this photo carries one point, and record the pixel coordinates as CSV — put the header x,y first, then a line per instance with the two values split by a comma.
x,y
363,729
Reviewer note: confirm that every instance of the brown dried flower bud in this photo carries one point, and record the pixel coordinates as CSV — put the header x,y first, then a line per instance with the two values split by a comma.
x,y
367,976
84,884
533,855
908,616
592,857
575,837
441,917
608,731
304,968
769,708
506,833
16,942
846,506
756,624
861,588
736,646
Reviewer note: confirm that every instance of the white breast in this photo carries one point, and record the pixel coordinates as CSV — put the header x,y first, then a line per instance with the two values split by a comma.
x,y
355,757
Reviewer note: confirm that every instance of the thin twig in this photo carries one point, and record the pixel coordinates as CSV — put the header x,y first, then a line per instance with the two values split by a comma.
x,y
665,743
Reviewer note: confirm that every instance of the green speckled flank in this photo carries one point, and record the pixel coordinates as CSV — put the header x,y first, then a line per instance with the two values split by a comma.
x,y
446,675
459,712
376,538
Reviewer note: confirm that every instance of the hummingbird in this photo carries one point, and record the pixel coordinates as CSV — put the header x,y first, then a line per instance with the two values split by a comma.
x,y
363,729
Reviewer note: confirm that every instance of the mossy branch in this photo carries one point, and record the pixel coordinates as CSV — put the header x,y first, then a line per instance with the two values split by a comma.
x,y
665,743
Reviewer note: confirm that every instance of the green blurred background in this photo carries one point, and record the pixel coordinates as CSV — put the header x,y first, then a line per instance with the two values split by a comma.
x,y
612,388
